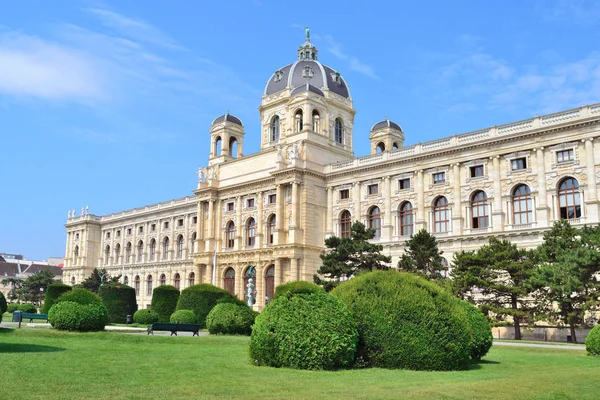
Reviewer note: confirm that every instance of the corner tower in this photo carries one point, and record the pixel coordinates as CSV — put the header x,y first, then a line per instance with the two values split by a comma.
x,y
226,139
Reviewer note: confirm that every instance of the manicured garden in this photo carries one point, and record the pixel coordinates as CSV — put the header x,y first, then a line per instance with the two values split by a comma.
x,y
49,364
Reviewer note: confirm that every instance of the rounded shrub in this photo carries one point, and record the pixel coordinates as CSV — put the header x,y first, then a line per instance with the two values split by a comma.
x,y
405,321
183,316
230,319
53,292
202,298
80,296
119,300
297,287
480,330
3,305
27,307
592,341
164,301
305,331
146,317
12,307
71,316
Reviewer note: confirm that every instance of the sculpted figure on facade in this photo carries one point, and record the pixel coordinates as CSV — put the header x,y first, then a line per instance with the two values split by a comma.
x,y
212,172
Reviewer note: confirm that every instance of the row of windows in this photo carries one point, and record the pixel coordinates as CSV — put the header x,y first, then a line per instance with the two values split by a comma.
x,y
162,281
275,129
250,203
179,224
152,247
229,283
250,232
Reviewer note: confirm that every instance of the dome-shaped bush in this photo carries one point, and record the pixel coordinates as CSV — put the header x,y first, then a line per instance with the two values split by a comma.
x,y
305,331
119,300
164,301
80,296
202,298
297,287
53,292
145,317
404,321
84,311
3,305
28,307
12,307
480,330
230,319
592,341
183,316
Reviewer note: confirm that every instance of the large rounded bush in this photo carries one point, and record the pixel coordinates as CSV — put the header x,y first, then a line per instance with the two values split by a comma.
x,y
305,331
297,287
480,330
164,301
202,298
592,341
28,308
71,316
183,316
119,300
53,292
146,317
230,319
3,305
405,321
80,296
12,307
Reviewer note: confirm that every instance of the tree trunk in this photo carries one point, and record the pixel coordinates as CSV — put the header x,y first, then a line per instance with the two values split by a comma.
x,y
573,335
516,319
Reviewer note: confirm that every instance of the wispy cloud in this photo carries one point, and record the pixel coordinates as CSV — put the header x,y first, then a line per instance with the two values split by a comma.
x,y
569,12
354,63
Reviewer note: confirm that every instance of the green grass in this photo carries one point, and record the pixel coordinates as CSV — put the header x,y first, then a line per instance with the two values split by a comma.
x,y
47,364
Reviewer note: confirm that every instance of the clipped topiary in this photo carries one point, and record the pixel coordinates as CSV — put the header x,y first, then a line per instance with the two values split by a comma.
x,y
297,287
119,300
3,305
12,307
480,330
405,321
53,292
164,301
592,341
28,308
183,316
230,319
305,331
145,317
202,298
80,296
86,313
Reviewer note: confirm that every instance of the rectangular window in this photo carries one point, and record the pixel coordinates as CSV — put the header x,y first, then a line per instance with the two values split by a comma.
x,y
230,206
108,235
166,225
404,184
272,198
373,189
141,229
118,233
518,164
129,231
344,194
565,156
476,171
180,222
250,203
439,177
153,227
194,220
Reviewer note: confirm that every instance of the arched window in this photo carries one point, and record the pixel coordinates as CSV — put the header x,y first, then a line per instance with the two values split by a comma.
x,y
191,279
269,283
177,281
229,281
522,205
272,228
230,235
126,280
441,215
316,121
250,232
406,218
479,211
246,281
380,147
375,221
117,253
444,267
298,118
149,285
165,248
193,243
339,131
140,251
128,252
72,280
569,199
179,250
152,249
106,254
233,147
395,146
136,283
275,129
163,279
345,224
217,148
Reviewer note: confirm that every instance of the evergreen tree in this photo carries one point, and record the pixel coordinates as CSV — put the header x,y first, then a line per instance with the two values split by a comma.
x,y
347,257
36,285
422,256
97,278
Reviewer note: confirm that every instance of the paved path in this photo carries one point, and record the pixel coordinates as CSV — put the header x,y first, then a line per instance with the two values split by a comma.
x,y
544,346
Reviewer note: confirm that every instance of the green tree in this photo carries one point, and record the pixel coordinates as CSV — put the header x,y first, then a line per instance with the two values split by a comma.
x,y
501,272
97,278
347,257
16,285
421,256
36,285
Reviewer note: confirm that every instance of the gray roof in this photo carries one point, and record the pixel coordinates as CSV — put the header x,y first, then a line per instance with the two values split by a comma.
x,y
307,88
386,124
229,118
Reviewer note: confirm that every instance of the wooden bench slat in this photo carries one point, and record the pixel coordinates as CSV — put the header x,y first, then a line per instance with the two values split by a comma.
x,y
173,327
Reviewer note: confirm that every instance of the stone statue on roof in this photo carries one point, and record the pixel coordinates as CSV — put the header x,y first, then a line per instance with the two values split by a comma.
x,y
307,32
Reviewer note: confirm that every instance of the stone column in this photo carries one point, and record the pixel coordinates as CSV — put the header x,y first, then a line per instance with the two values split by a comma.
x,y
278,272
420,222
199,230
279,217
457,217
591,200
259,221
259,282
497,213
295,269
210,221
239,229
218,235
329,222
542,209
357,199
294,223
387,229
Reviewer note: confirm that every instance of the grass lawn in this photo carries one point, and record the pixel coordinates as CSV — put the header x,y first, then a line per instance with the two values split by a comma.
x,y
47,364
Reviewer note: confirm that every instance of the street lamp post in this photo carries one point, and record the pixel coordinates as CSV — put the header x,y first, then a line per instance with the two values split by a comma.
x,y
41,296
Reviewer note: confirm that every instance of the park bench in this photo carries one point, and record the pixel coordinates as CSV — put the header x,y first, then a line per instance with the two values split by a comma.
x,y
19,316
174,327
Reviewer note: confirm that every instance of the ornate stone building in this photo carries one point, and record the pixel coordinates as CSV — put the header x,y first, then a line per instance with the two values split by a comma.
x,y
273,209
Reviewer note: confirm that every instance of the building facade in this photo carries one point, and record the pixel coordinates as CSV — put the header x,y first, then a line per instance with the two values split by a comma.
x,y
272,210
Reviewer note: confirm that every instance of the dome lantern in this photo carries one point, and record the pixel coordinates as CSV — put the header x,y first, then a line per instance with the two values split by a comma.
x,y
307,51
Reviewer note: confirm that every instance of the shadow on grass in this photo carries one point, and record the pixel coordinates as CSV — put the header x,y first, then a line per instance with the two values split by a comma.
x,y
480,364
27,348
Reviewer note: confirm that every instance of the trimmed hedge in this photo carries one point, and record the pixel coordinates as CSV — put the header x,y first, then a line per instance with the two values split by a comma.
x,y
592,341
53,292
202,298
119,300
480,330
3,305
80,296
305,331
183,316
405,321
164,301
297,287
145,317
28,307
230,319
82,311
12,307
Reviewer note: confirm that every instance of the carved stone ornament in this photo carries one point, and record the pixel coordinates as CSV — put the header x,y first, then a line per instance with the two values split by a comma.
x,y
212,172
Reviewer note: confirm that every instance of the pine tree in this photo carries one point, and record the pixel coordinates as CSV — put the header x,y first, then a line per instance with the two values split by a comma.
x,y
422,256
97,278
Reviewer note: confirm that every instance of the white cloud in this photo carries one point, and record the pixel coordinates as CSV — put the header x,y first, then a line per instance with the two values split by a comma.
x,y
354,63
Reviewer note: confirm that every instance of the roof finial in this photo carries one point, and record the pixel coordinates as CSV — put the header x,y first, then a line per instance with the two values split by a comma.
x,y
386,116
227,113
307,33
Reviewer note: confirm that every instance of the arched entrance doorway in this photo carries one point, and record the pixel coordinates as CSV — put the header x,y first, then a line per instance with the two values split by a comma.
x,y
229,283
269,283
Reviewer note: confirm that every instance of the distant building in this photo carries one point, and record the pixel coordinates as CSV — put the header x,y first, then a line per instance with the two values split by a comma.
x,y
16,266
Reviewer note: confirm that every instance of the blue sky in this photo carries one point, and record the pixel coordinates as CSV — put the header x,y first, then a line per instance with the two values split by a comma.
x,y
108,104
